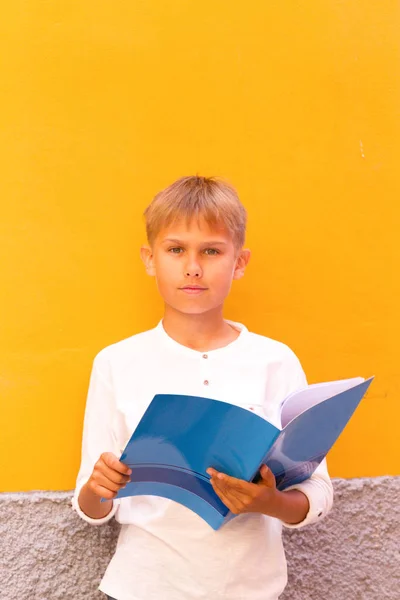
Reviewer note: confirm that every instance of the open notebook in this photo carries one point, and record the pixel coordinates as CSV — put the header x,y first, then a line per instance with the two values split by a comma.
x,y
179,437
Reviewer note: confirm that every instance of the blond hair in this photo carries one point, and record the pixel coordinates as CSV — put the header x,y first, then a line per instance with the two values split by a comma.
x,y
212,199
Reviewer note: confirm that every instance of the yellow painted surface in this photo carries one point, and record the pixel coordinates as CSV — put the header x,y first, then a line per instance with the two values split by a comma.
x,y
104,103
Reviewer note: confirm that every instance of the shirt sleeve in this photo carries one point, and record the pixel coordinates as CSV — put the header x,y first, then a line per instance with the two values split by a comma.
x,y
97,434
319,491
318,488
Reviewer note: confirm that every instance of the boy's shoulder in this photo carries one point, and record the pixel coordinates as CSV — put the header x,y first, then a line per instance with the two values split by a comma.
x,y
266,345
128,347
286,363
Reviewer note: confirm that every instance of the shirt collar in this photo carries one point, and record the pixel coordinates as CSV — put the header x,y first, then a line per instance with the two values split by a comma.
x,y
229,348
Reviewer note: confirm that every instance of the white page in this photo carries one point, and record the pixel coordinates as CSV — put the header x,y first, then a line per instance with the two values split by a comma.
x,y
301,400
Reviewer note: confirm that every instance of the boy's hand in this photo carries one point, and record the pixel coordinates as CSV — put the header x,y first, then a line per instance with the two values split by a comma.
x,y
242,497
109,476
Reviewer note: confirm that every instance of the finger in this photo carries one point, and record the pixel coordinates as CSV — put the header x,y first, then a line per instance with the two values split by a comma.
x,y
212,472
101,486
100,479
112,461
110,474
267,477
229,503
239,496
234,483
103,492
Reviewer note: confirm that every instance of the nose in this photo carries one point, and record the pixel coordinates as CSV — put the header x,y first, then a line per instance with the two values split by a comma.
x,y
193,268
193,273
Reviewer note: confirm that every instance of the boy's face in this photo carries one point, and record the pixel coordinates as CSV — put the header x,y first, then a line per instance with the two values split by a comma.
x,y
194,265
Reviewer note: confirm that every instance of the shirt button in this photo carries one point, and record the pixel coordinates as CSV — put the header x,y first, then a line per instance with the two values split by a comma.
x,y
205,355
206,382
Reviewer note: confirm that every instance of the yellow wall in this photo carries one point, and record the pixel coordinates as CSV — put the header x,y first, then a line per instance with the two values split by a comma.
x,y
104,103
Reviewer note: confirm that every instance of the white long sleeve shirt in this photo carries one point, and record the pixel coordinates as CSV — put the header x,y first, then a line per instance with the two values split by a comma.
x,y
165,551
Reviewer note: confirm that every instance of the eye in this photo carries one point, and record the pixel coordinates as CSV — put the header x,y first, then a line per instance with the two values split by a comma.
x,y
175,250
211,251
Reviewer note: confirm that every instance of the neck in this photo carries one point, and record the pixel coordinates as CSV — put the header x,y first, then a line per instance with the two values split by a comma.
x,y
204,332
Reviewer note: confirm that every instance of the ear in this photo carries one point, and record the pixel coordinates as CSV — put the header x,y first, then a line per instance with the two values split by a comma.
x,y
241,263
146,254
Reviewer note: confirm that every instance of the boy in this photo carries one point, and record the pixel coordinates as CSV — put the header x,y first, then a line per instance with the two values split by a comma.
x,y
195,231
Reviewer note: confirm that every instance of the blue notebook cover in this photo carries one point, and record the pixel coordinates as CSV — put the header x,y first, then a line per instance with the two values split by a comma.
x,y
179,437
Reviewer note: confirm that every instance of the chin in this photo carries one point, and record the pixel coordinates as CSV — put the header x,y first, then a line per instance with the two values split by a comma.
x,y
190,310
193,310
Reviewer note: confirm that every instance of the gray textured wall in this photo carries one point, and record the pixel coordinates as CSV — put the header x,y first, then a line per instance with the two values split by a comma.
x,y
47,552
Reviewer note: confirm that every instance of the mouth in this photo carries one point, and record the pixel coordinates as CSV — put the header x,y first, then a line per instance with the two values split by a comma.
x,y
193,289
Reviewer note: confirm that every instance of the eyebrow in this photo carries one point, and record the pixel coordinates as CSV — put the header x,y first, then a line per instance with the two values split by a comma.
x,y
207,243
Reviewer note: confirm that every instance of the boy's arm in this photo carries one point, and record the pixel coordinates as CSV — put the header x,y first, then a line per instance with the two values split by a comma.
x,y
300,505
318,490
88,505
108,477
97,439
291,507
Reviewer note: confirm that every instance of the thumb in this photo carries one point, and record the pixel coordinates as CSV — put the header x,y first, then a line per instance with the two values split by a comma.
x,y
267,477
